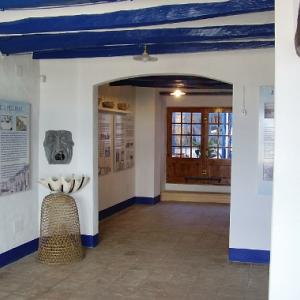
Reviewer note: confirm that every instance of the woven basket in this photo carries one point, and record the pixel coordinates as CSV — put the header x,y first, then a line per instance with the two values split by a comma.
x,y
60,240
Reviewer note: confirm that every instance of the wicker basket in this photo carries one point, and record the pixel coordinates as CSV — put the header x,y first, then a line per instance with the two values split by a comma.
x,y
60,240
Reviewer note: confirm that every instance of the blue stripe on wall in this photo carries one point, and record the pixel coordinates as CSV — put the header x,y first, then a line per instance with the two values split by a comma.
x,y
147,200
90,241
111,51
249,256
165,14
18,252
125,204
116,208
41,42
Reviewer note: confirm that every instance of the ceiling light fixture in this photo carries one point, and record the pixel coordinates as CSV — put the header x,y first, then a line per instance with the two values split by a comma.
x,y
145,57
178,93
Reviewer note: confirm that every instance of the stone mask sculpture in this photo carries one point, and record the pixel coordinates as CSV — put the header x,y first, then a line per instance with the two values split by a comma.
x,y
297,36
58,146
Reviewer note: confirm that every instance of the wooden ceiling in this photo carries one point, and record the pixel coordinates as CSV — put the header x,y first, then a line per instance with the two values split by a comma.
x,y
78,35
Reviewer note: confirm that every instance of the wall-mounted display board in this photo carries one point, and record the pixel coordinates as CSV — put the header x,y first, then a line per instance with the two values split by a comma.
x,y
105,129
14,147
266,139
123,141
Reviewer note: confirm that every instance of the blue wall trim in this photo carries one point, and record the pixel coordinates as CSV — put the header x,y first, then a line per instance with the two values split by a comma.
x,y
116,208
18,252
42,42
249,256
147,200
125,204
130,50
90,241
164,14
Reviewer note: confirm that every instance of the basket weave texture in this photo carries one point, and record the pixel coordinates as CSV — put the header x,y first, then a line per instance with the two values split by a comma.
x,y
60,240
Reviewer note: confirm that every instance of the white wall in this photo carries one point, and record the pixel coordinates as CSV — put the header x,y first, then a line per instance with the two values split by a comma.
x,y
116,187
285,247
19,212
147,180
250,213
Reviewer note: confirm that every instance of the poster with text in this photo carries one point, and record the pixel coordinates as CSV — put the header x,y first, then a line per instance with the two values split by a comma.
x,y
14,147
105,143
124,142
266,140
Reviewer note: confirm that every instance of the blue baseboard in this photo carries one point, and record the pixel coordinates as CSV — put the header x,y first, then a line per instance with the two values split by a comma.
x,y
116,208
90,241
147,200
249,256
19,252
125,204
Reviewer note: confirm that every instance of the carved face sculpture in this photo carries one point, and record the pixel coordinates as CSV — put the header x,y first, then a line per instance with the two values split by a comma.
x,y
58,146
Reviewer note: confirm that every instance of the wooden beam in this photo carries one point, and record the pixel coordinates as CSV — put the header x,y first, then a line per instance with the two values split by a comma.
x,y
136,18
25,4
41,42
130,50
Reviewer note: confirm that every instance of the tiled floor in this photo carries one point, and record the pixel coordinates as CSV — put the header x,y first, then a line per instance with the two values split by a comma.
x,y
168,251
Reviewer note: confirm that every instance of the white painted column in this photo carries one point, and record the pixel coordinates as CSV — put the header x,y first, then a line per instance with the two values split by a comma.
x,y
285,244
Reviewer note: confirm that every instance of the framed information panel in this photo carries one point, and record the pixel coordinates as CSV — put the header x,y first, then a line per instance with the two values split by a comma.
x,y
14,147
123,142
266,140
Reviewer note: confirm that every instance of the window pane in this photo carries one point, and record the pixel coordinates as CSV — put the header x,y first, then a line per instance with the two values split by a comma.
x,y
213,141
196,141
224,141
176,129
186,129
186,141
196,152
186,152
196,118
176,140
176,152
225,153
176,117
186,117
197,129
212,153
213,130
213,117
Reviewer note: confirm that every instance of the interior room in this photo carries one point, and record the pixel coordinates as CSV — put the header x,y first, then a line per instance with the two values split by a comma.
x,y
143,149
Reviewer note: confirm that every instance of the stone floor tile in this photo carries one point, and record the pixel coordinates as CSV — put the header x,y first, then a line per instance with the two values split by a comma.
x,y
167,251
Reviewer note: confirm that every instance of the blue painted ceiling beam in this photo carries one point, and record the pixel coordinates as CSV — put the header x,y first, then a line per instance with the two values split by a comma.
x,y
40,42
136,18
26,4
110,51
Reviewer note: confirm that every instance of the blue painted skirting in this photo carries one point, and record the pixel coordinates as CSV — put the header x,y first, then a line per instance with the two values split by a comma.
x,y
116,208
249,256
147,200
90,241
125,204
17,253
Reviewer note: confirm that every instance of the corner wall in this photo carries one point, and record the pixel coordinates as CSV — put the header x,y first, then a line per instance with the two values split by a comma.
x,y
19,212
285,246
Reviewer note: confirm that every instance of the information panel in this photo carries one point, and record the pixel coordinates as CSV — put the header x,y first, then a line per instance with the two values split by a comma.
x,y
14,147
105,143
124,142
266,140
